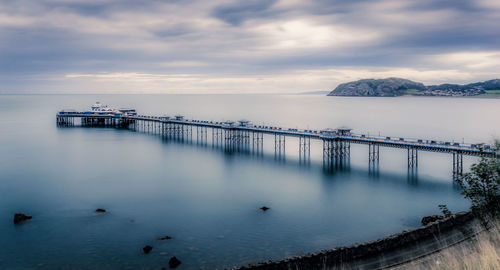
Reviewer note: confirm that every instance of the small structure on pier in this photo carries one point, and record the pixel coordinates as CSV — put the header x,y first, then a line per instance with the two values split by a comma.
x,y
67,111
330,132
96,106
128,111
243,123
343,131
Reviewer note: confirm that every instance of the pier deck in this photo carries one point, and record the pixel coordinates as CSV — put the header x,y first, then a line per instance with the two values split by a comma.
x,y
242,134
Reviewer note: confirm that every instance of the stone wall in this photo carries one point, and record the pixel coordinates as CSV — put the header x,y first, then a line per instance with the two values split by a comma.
x,y
390,251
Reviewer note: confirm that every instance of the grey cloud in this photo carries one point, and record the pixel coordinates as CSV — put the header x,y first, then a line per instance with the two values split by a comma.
x,y
240,11
38,37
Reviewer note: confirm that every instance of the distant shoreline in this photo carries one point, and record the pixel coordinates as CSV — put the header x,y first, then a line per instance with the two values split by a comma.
x,y
313,93
393,87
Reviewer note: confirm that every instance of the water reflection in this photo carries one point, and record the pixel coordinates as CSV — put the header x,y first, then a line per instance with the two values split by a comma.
x,y
412,176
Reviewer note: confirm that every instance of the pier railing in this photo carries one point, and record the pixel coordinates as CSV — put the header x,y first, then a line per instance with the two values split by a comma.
x,y
245,135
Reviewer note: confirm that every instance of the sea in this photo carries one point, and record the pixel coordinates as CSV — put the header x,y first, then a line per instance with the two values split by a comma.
x,y
207,198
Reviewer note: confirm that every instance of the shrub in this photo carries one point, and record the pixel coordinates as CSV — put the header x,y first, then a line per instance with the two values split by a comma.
x,y
482,184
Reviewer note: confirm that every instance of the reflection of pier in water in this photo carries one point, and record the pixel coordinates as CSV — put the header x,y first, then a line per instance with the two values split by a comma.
x,y
242,136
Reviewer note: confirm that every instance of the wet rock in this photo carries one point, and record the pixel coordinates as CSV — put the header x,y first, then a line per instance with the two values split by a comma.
x,y
20,217
147,249
174,262
166,237
430,219
99,210
264,208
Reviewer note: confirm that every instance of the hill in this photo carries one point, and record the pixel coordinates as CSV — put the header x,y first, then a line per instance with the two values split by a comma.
x,y
392,87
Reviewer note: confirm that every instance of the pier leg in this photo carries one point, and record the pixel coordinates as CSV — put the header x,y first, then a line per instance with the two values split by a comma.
x,y
412,165
201,135
336,154
373,159
258,143
231,140
412,157
279,146
373,153
304,149
457,165
217,137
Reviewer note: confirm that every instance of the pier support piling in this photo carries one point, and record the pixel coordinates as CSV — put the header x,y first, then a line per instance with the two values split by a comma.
x,y
201,134
412,157
258,142
457,164
279,146
304,149
336,153
236,140
373,153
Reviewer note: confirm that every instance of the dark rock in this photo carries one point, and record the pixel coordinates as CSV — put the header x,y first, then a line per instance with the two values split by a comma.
x,y
166,237
430,219
20,217
264,208
174,262
147,249
100,210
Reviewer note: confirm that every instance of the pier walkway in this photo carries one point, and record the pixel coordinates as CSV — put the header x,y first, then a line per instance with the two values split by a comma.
x,y
243,135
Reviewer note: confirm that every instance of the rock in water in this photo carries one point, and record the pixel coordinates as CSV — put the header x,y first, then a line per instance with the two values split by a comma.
x,y
147,249
20,217
174,262
100,210
264,208
430,219
166,237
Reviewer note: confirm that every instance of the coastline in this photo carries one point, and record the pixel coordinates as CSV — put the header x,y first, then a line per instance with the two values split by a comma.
x,y
392,251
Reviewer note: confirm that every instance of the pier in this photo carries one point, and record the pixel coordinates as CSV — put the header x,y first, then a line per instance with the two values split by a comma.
x,y
245,136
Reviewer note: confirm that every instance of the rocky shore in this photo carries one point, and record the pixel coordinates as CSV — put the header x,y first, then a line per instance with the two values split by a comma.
x,y
387,252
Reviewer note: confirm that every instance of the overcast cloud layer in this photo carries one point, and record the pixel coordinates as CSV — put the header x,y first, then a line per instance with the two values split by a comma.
x,y
251,46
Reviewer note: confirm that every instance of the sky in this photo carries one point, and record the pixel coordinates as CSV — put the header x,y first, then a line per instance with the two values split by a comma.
x,y
248,46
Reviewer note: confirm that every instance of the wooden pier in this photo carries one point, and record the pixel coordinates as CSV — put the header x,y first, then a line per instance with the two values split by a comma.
x,y
244,136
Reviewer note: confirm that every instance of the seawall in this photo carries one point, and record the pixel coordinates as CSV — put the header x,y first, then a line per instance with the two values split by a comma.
x,y
386,252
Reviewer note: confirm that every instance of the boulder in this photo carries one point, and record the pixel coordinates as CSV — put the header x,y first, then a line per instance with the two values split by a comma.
x,y
174,262
430,219
166,237
264,208
20,217
99,210
147,249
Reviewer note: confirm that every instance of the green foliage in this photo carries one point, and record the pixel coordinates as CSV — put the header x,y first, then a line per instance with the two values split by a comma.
x,y
482,184
491,93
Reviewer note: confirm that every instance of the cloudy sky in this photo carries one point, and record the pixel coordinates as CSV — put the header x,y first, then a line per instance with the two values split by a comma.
x,y
248,46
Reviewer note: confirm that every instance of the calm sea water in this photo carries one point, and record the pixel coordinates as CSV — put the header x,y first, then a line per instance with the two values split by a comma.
x,y
208,200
